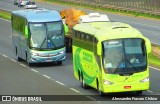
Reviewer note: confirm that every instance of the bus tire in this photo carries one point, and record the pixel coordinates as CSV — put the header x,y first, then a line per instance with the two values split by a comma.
x,y
99,89
29,64
17,56
139,92
82,82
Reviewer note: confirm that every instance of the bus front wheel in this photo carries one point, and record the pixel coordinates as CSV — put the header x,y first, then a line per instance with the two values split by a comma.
x,y
139,92
17,56
99,89
59,62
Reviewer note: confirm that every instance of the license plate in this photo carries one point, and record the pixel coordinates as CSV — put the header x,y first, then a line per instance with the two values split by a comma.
x,y
127,87
48,60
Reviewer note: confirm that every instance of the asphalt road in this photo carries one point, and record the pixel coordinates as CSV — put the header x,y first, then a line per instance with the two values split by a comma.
x,y
16,78
149,27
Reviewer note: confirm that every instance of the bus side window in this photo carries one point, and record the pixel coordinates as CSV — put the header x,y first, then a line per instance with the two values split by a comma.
x,y
74,34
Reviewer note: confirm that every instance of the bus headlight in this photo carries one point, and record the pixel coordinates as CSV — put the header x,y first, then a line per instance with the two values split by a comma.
x,y
61,52
35,54
107,82
144,80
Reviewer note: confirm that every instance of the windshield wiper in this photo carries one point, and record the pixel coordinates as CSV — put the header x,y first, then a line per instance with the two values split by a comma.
x,y
42,42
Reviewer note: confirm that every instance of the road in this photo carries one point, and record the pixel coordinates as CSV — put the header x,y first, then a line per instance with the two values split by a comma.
x,y
16,78
149,27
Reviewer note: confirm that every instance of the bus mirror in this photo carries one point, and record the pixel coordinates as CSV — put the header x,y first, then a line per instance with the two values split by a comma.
x,y
66,29
26,32
99,49
148,45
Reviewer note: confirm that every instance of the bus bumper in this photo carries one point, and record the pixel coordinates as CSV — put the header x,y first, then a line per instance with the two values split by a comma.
x,y
43,57
127,87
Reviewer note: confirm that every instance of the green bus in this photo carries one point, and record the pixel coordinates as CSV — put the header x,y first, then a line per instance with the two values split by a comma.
x,y
38,36
111,57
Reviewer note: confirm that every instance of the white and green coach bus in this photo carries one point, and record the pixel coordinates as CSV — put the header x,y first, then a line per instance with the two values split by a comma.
x,y
111,57
38,36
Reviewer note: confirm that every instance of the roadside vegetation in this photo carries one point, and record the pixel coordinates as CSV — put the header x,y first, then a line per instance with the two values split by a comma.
x,y
99,8
5,15
154,56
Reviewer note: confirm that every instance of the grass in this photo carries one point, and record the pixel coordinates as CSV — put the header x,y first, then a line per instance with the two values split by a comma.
x,y
99,8
153,59
5,15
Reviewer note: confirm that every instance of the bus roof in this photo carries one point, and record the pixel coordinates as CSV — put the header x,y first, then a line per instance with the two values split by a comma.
x,y
93,17
108,30
39,15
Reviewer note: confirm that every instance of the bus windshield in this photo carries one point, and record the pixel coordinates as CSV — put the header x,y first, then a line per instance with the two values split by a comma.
x,y
124,56
46,35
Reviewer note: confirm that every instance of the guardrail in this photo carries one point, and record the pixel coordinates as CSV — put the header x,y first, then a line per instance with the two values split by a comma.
x,y
151,7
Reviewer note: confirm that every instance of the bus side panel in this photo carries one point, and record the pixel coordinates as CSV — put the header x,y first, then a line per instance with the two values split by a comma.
x,y
85,62
75,62
24,46
16,42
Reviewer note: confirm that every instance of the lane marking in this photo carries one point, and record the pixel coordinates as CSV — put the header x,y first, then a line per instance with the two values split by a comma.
x,y
60,83
13,60
5,55
23,65
154,68
91,98
138,23
74,90
4,20
155,43
46,76
34,70
150,91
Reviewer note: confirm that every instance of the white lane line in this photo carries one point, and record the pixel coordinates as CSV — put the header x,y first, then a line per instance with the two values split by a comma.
x,y
91,98
13,60
74,90
46,76
34,70
155,43
23,65
4,55
5,20
154,68
60,83
150,91
138,23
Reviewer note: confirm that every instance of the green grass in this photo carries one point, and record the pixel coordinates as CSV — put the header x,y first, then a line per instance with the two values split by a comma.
x,y
5,15
154,60
133,13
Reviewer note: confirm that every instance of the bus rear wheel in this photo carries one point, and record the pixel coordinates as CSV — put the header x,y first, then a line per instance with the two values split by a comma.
x,y
82,82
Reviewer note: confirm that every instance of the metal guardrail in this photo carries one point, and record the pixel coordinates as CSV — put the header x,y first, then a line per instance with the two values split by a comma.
x,y
151,7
